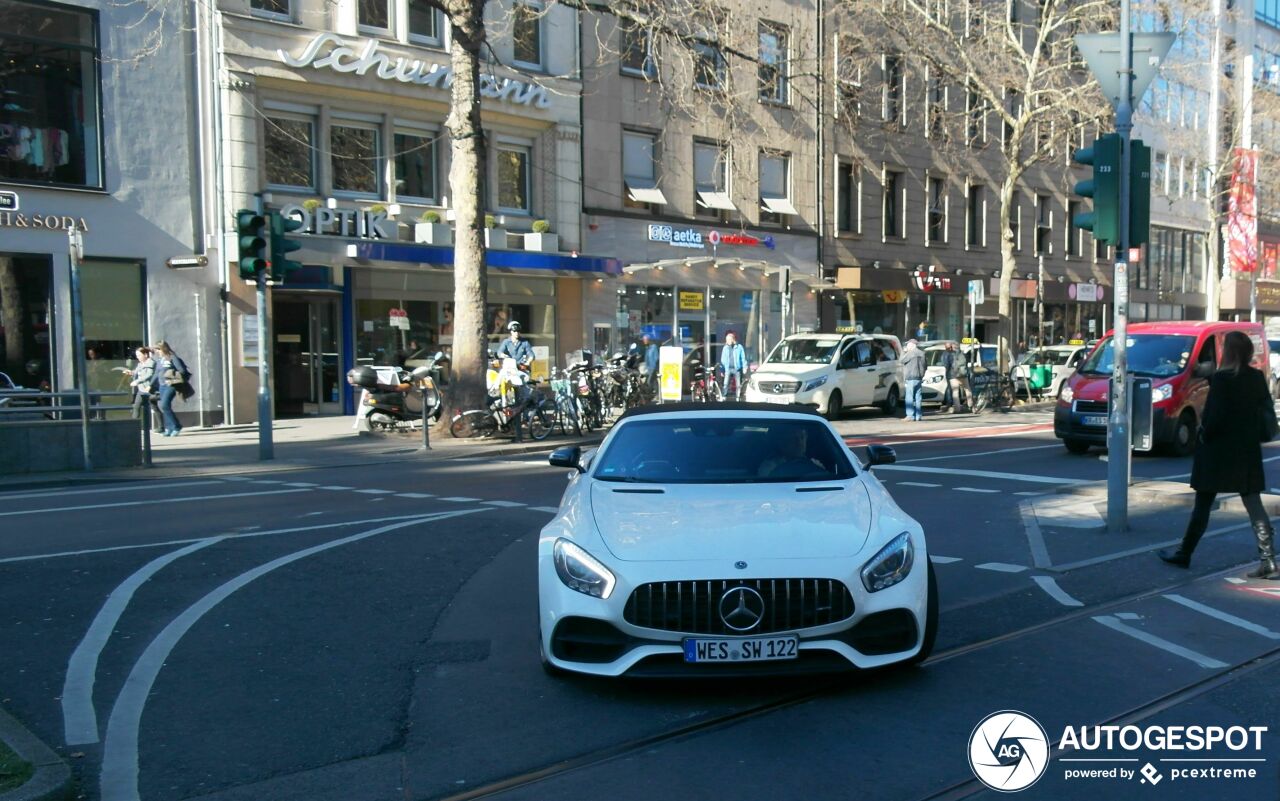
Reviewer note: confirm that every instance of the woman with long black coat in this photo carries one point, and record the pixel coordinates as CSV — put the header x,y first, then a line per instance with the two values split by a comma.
x,y
1228,457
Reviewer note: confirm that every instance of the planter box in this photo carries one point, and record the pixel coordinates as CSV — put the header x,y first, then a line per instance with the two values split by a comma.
x,y
433,233
495,238
542,243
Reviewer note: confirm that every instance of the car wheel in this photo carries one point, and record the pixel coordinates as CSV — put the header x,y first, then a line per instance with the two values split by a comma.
x,y
1076,446
930,621
1184,434
891,400
834,404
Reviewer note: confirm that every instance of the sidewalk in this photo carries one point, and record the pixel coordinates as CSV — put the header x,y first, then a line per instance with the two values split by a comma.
x,y
298,445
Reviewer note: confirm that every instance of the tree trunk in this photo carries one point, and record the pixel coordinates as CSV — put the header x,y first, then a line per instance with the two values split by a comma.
x,y
12,318
1008,263
466,182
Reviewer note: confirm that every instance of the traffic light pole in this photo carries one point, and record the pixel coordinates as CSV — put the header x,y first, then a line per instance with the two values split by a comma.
x,y
1118,451
266,448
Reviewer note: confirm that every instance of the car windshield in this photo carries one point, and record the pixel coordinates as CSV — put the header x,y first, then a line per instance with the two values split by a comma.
x,y
1053,357
804,351
1273,345
1157,355
933,356
719,450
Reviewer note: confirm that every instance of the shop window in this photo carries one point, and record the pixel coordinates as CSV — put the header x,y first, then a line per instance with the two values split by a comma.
x,y
49,131
289,151
773,63
373,14
775,188
416,166
274,8
26,320
112,297
355,155
937,226
425,24
711,178
709,67
526,32
513,178
639,171
635,47
848,198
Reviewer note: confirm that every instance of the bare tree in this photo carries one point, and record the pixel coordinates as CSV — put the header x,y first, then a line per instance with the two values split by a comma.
x,y
1016,64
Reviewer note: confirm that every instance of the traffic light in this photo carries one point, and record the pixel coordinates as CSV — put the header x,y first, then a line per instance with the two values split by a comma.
x,y
1139,193
281,246
253,257
1104,187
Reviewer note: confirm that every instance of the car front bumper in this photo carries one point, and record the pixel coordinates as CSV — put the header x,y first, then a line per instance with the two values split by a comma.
x,y
1069,424
816,398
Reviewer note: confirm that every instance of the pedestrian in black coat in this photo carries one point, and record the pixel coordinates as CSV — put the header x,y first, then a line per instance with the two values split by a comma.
x,y
1228,454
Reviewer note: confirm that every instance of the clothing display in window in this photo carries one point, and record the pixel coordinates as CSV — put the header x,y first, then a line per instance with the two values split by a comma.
x,y
42,149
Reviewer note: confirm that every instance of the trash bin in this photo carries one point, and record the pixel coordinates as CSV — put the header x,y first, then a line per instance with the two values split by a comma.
x,y
1041,377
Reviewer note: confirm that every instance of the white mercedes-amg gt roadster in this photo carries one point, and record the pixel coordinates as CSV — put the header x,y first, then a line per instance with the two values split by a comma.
x,y
730,539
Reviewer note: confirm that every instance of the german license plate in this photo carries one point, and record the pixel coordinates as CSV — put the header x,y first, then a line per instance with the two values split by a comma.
x,y
1094,420
777,399
741,649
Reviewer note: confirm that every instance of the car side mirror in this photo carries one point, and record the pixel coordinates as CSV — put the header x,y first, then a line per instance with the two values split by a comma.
x,y
1204,370
570,456
880,454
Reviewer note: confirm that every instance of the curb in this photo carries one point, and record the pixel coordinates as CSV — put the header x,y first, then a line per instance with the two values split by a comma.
x,y
52,778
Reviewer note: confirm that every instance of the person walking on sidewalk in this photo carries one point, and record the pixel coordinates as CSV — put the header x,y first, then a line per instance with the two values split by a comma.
x,y
171,377
734,361
913,375
142,377
1238,417
957,369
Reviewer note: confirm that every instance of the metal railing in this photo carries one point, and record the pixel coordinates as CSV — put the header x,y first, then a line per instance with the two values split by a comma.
x,y
24,406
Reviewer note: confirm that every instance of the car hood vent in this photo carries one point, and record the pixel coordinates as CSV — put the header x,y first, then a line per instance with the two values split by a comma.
x,y
742,521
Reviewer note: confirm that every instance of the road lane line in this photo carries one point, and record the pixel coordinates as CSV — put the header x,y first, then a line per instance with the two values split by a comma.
x,y
1001,567
150,501
944,560
1110,557
548,509
1225,617
374,492
335,487
121,487
119,778
415,495
1050,585
975,489
1161,643
980,453
1035,538
79,719
460,499
857,441
233,536
951,471
504,504
917,484
1030,493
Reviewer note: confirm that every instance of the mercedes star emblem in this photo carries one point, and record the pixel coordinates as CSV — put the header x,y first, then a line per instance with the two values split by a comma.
x,y
777,389
741,608
740,565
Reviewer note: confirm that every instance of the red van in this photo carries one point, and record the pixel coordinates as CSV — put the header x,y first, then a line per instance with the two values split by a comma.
x,y
1178,357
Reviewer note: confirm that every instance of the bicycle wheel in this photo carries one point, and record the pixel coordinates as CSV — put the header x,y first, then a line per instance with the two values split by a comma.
x,y
538,421
582,413
714,393
1005,398
567,415
475,423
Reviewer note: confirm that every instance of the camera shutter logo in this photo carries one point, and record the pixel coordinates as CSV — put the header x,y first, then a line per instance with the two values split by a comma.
x,y
1008,751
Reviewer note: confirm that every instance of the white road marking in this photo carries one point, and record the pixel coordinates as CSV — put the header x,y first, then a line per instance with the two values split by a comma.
x,y
460,499
119,780
504,504
1161,643
1001,567
118,488
414,495
548,509
1110,557
79,720
944,560
374,492
980,453
1050,585
150,501
917,484
298,484
1234,580
111,549
1128,615
1068,513
975,489
266,481
1030,493
336,487
1035,539
982,474
1225,617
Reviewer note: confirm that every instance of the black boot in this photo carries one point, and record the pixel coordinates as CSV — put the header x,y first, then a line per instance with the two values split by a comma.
x,y
1182,556
1266,551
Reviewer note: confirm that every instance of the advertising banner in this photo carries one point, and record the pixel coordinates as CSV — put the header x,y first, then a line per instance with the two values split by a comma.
x,y
670,358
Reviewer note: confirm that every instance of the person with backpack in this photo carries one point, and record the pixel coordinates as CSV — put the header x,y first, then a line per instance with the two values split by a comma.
x,y
957,372
171,378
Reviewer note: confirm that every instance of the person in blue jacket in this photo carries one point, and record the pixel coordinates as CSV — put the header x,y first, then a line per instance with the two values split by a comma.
x,y
733,360
650,359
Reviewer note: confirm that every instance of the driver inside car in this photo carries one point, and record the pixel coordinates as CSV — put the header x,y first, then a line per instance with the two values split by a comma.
x,y
791,448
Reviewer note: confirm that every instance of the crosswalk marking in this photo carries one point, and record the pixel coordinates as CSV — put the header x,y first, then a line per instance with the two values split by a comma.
x,y
1161,643
1225,617
1001,567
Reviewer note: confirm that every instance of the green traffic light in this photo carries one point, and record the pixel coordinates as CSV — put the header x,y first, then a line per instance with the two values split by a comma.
x,y
252,244
281,246
1103,187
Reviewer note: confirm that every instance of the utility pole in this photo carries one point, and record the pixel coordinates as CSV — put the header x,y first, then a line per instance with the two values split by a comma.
x,y
1118,453
75,250
1040,299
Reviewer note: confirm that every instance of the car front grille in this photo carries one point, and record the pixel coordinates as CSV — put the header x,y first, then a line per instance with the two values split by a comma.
x,y
777,387
1091,407
694,607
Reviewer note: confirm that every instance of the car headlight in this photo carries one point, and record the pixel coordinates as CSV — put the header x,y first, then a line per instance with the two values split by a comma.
x,y
1066,396
814,383
890,565
581,571
1163,393
933,379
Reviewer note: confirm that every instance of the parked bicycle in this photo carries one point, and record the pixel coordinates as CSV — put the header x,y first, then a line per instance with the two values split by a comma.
x,y
991,390
514,398
566,403
703,386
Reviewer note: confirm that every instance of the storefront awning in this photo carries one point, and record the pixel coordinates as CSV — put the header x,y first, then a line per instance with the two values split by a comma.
x,y
778,205
512,259
645,191
716,200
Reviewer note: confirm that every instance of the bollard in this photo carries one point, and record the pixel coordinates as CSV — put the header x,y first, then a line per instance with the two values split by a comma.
x,y
426,423
146,432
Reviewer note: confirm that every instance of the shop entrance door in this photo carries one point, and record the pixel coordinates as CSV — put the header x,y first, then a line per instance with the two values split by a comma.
x,y
306,355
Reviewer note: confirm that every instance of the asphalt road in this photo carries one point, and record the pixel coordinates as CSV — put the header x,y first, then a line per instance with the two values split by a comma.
x,y
370,633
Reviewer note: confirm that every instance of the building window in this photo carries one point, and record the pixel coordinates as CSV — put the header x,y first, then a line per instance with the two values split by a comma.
x,y
1013,104
1099,250
424,23
775,188
639,171
773,63
1015,225
289,151
275,8
49,132
1159,173
708,66
513,178
848,198
937,107
711,178
891,205
416,165
114,301
937,224
373,14
355,155
636,49
975,217
1073,233
893,88
1044,226
975,112
526,33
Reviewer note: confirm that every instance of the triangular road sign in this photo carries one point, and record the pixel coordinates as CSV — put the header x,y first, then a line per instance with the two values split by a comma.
x,y
1102,51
